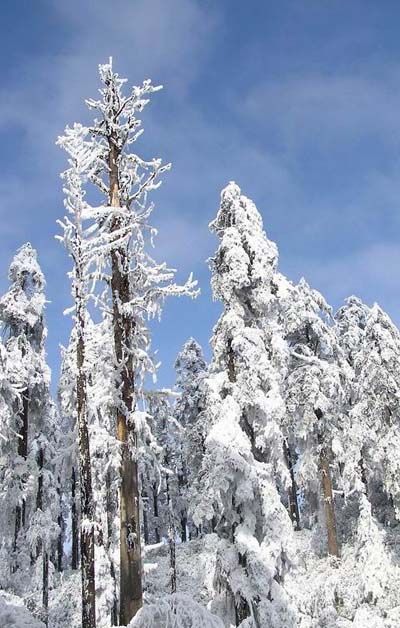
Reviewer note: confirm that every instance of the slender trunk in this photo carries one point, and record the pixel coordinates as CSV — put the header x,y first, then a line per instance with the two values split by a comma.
x,y
74,524
184,528
87,506
294,510
172,551
124,327
39,497
60,538
23,452
145,506
41,549
45,588
182,485
171,523
110,508
155,513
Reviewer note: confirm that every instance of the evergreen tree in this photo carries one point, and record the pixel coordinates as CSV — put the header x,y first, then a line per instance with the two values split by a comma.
x,y
190,368
375,410
74,241
316,400
244,457
30,480
118,236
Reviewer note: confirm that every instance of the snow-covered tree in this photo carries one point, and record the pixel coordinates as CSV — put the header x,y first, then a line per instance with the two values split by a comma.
x,y
316,400
373,467
135,286
244,462
29,480
190,368
77,247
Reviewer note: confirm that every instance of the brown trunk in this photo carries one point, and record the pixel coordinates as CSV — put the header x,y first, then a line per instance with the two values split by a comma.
x,y
294,511
87,507
23,452
130,550
74,524
327,489
330,519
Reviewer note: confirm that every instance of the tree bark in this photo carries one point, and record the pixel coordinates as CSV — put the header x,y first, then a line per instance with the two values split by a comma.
x,y
87,506
326,481
327,489
124,327
74,524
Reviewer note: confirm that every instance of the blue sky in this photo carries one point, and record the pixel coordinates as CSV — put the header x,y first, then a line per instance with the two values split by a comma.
x,y
298,101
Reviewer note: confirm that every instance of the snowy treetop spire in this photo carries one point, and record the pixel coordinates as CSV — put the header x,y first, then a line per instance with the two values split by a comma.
x,y
246,260
24,302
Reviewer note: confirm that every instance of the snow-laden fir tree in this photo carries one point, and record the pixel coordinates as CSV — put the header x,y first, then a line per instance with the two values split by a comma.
x,y
29,482
134,285
79,250
373,468
244,462
191,369
316,397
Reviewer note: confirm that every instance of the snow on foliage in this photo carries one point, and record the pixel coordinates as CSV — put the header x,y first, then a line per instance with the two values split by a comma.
x,y
176,611
244,459
13,614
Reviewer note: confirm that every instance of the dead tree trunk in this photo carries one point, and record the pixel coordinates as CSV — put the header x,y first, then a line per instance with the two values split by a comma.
x,y
124,328
87,506
74,524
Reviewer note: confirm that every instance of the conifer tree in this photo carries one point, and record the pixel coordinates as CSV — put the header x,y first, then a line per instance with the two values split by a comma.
x,y
119,236
244,462
316,398
190,368
73,239
30,481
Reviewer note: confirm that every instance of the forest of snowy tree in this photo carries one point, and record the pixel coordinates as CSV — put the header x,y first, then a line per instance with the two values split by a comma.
x,y
261,491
